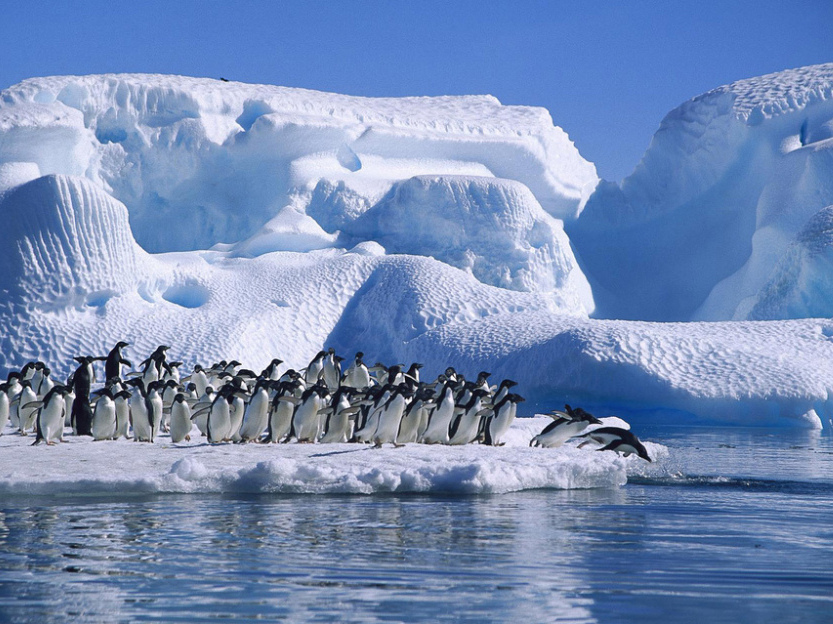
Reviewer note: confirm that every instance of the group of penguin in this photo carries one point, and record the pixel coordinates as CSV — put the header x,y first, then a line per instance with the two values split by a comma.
x,y
317,404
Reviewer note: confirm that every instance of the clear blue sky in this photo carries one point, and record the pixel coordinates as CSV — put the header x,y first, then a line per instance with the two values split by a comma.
x,y
607,71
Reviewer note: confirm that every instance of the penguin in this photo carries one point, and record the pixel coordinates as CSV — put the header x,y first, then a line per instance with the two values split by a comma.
x,y
69,400
502,390
45,384
114,360
412,375
82,416
565,425
368,429
170,389
153,368
314,368
142,413
415,418
180,419
338,424
439,421
26,407
199,379
50,416
172,373
503,415
121,402
618,440
256,417
464,428
390,416
331,370
483,382
13,389
104,417
37,376
4,406
218,423
357,375
306,420
271,372
82,379
281,411
200,413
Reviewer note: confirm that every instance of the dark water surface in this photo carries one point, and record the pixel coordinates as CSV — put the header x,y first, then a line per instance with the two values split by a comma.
x,y
736,526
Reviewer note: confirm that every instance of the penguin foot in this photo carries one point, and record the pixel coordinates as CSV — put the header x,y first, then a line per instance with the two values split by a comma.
x,y
187,438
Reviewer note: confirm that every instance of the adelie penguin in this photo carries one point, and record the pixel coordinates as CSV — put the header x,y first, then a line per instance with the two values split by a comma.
x,y
50,416
618,440
114,361
565,425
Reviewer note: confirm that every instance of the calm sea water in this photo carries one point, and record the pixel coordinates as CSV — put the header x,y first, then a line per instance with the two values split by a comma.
x,y
736,527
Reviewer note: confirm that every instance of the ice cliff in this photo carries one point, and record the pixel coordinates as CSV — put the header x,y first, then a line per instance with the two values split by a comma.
x,y
728,182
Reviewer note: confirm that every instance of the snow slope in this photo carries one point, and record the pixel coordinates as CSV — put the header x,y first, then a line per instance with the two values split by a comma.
x,y
729,180
420,229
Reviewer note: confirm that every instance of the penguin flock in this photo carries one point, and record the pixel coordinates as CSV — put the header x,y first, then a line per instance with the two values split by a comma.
x,y
320,403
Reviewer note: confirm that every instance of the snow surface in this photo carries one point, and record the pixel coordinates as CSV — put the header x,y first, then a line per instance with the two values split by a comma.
x,y
83,467
250,222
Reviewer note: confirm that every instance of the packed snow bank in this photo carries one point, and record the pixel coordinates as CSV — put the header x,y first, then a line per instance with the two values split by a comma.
x,y
83,467
214,161
729,180
492,228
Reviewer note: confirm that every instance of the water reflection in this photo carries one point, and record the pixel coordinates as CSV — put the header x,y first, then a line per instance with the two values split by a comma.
x,y
675,540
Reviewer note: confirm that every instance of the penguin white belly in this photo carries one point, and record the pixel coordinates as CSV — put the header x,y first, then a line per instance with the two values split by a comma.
x,y
389,421
440,420
280,421
180,421
219,423
237,409
467,428
556,433
409,426
307,420
27,415
500,424
139,415
256,417
104,419
52,421
122,418
4,411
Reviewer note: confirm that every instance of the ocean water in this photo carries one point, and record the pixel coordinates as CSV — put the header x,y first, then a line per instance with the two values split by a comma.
x,y
736,525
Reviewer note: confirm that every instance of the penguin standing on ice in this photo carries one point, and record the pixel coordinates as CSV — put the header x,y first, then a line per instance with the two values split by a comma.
x,y
390,416
499,423
357,375
114,361
50,417
4,406
104,417
314,368
439,420
464,428
26,407
180,419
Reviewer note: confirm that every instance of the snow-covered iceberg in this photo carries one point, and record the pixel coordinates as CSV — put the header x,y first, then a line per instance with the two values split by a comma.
x,y
730,179
252,222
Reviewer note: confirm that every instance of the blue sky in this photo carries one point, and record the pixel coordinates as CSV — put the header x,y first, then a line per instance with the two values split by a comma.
x,y
607,71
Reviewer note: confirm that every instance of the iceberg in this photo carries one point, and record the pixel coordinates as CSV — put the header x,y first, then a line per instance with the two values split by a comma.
x,y
249,222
